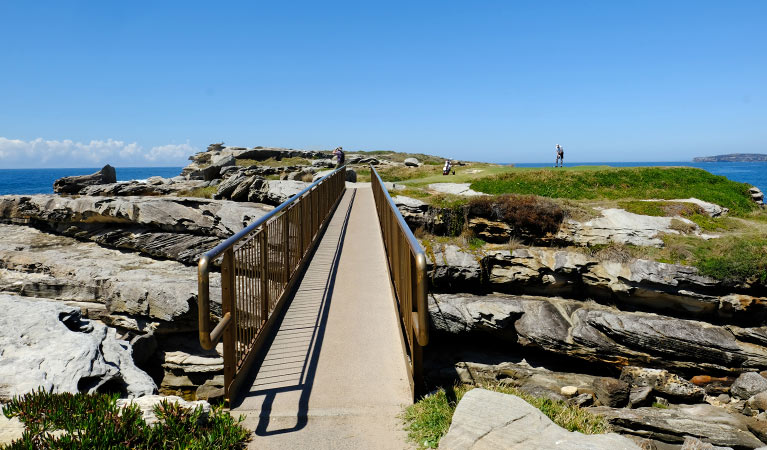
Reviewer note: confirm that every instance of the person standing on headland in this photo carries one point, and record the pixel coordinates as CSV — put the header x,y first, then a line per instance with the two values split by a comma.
x,y
560,161
339,154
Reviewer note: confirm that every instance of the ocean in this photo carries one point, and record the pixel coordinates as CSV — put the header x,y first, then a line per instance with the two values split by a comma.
x,y
40,181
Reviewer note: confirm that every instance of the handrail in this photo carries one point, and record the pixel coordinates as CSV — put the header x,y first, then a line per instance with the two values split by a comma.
x,y
407,266
209,339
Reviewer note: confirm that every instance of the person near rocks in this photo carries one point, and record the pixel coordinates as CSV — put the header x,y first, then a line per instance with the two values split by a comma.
x,y
446,168
339,154
560,161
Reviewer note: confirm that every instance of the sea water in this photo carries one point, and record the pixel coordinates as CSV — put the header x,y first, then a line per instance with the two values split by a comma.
x,y
40,181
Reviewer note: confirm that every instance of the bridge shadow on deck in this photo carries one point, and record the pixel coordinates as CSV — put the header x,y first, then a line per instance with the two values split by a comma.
x,y
287,366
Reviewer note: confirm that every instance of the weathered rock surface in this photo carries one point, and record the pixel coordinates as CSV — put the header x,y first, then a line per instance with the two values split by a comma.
x,y
492,420
156,187
72,185
412,162
594,332
175,228
617,225
455,189
274,192
48,344
122,289
611,392
710,209
664,383
748,385
646,285
705,422
147,404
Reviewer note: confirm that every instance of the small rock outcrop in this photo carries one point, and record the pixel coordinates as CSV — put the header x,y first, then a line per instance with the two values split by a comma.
x,y
147,404
748,384
73,185
88,356
492,420
673,424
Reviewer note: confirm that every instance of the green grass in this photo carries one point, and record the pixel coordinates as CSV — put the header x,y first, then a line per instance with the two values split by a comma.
x,y
95,422
659,405
592,183
428,420
204,192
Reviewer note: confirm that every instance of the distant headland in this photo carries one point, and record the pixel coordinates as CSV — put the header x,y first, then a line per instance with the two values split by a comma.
x,y
733,157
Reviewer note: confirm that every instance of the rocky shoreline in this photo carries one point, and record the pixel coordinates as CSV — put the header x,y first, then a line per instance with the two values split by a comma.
x,y
660,350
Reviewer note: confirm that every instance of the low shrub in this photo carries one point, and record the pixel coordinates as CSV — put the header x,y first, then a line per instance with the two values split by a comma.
x,y
531,215
428,420
95,422
204,192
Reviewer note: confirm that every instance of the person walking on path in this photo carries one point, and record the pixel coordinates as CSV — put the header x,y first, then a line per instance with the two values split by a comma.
x,y
339,154
560,161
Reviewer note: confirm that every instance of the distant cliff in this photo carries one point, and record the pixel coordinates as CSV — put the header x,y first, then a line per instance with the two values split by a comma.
x,y
732,157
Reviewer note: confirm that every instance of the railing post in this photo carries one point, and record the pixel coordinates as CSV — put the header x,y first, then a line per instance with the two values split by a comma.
x,y
228,306
264,274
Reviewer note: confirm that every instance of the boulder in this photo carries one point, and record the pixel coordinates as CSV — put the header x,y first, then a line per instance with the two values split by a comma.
x,y
211,170
758,401
275,192
48,345
242,191
73,185
611,392
228,186
323,163
748,384
664,383
148,403
492,420
708,423
451,268
412,162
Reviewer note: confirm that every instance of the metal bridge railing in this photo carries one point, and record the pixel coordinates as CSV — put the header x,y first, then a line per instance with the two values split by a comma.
x,y
407,266
257,271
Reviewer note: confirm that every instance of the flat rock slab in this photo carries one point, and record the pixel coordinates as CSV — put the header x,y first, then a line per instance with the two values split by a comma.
x,y
492,420
10,429
455,188
705,422
136,292
45,344
618,225
711,209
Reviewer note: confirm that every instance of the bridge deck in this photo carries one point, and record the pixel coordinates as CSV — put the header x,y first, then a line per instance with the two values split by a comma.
x,y
334,375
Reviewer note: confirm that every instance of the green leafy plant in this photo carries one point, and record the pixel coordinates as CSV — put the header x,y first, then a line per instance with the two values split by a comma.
x,y
83,421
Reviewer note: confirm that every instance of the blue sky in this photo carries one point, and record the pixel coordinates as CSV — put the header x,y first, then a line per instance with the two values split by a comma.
x,y
148,83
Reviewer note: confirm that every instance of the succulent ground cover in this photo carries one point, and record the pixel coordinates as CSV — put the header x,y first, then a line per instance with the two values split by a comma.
x,y
82,421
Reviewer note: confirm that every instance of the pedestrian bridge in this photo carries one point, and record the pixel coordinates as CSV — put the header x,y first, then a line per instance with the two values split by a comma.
x,y
323,319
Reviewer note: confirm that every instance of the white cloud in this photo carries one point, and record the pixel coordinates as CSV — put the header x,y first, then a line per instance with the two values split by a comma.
x,y
16,153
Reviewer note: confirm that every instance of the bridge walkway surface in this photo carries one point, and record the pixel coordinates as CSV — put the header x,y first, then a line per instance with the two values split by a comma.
x,y
334,375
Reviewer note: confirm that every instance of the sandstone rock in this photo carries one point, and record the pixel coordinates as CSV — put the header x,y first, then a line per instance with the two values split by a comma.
x,y
412,162
369,161
136,292
638,395
594,332
491,420
10,429
242,191
611,392
147,404
455,189
569,391
582,400
758,401
72,185
663,382
705,422
209,171
275,192
323,163
617,225
174,228
228,186
453,268
48,345
710,209
748,385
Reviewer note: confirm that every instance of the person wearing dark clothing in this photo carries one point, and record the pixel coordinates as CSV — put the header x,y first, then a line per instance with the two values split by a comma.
x,y
560,161
339,154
